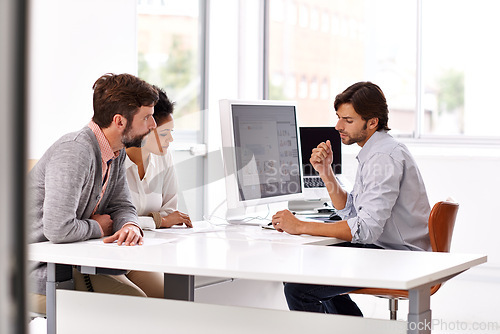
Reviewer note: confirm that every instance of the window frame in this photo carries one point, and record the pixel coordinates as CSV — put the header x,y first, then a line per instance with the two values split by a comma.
x,y
417,137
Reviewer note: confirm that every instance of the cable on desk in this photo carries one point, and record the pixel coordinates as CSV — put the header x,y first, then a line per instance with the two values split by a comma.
x,y
261,218
246,220
209,218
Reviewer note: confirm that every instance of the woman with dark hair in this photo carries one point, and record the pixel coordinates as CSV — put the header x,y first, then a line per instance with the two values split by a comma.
x,y
151,175
153,184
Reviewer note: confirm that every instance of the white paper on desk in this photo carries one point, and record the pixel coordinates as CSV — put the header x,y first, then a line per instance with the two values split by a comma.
x,y
267,234
198,227
146,242
184,230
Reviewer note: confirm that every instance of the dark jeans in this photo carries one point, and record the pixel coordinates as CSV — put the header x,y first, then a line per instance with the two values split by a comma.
x,y
323,298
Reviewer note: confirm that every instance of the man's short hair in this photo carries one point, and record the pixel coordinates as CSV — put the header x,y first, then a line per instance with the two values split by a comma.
x,y
121,94
368,101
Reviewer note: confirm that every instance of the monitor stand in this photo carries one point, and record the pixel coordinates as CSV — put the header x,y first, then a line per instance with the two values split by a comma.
x,y
309,206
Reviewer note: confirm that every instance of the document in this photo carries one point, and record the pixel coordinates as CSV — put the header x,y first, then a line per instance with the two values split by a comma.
x,y
201,226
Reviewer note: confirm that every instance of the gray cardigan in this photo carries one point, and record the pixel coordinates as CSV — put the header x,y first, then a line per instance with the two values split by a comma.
x,y
64,188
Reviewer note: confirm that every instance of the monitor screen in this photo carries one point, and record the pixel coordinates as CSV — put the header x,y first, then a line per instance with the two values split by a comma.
x,y
310,138
261,152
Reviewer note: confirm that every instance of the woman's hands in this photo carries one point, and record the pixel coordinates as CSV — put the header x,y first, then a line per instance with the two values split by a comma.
x,y
176,218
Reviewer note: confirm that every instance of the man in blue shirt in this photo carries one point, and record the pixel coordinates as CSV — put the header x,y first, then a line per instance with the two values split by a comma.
x,y
387,208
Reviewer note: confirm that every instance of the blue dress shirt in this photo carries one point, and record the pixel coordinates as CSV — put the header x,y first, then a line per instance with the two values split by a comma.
x,y
388,205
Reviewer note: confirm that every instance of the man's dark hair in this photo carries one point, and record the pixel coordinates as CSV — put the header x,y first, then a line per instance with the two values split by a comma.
x,y
121,94
163,108
368,101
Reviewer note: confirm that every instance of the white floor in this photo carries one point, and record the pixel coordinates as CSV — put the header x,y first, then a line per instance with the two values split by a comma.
x,y
469,303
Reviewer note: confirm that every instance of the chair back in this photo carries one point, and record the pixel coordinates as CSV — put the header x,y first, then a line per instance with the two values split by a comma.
x,y
441,224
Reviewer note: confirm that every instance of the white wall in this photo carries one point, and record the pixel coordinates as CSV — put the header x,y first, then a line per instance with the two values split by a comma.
x,y
234,73
71,44
470,176
223,83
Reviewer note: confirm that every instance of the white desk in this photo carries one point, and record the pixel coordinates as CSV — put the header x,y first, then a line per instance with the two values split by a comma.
x,y
237,253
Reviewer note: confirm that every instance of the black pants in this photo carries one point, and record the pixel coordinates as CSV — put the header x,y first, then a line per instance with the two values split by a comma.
x,y
324,298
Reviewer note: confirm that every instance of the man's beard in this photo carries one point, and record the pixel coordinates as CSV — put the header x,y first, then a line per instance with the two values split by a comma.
x,y
359,137
132,141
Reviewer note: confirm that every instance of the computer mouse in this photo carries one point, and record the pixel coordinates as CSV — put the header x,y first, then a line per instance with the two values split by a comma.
x,y
334,216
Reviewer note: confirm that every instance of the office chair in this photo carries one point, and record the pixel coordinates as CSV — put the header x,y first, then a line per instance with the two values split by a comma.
x,y
441,224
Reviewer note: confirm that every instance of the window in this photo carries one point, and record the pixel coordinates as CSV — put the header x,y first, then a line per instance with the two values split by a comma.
x,y
325,22
171,44
460,67
168,55
314,19
313,89
360,43
377,41
303,16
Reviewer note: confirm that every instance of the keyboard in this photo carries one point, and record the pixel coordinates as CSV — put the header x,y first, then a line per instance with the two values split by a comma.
x,y
313,182
317,182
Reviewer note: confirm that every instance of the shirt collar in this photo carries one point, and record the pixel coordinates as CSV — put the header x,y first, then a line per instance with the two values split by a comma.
x,y
370,145
128,163
151,164
106,151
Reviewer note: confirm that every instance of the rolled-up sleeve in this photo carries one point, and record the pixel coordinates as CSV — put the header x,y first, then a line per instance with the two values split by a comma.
x,y
348,211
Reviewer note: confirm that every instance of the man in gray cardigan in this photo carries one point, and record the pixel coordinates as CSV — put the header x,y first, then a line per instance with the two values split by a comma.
x,y
78,189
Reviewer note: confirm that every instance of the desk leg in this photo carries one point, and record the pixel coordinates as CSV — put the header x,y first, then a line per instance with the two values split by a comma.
x,y
179,287
51,298
420,316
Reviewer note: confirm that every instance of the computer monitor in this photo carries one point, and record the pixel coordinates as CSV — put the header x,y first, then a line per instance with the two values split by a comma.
x,y
261,153
315,193
310,138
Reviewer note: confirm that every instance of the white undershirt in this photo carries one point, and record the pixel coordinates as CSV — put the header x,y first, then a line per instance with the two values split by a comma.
x,y
156,192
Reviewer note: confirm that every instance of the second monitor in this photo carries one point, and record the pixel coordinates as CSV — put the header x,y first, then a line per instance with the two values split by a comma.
x,y
310,138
